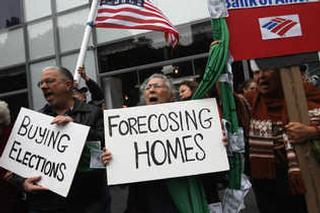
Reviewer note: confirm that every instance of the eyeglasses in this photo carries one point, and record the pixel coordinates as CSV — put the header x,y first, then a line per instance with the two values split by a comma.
x,y
47,81
155,86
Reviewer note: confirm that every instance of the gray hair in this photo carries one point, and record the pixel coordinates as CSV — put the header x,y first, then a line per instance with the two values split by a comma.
x,y
5,118
168,82
62,70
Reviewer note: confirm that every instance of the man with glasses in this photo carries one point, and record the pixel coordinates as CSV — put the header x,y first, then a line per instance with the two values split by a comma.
x,y
88,192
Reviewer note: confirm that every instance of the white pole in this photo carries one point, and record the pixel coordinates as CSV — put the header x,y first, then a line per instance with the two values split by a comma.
x,y
85,40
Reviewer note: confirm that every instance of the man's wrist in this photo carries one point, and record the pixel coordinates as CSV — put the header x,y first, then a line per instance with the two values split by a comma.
x,y
316,130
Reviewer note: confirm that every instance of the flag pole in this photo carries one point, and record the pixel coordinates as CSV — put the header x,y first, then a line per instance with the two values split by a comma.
x,y
85,40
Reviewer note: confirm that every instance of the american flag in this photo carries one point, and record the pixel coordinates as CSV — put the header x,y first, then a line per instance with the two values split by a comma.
x,y
135,14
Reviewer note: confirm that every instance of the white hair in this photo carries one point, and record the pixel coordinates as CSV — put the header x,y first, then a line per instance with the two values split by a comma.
x,y
5,118
168,82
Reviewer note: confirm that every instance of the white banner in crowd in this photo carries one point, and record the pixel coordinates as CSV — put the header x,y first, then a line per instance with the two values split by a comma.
x,y
38,148
164,141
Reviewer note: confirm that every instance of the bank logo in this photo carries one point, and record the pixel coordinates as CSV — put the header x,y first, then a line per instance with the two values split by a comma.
x,y
280,27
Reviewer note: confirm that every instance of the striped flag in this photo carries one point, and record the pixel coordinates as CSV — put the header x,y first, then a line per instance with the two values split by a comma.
x,y
135,14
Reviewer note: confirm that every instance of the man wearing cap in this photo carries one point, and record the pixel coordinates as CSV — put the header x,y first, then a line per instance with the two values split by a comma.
x,y
80,94
97,97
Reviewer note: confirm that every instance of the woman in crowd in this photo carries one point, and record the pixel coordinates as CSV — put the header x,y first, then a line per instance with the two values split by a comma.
x,y
186,89
153,196
248,86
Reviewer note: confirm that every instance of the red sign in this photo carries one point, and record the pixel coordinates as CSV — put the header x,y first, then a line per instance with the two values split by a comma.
x,y
274,30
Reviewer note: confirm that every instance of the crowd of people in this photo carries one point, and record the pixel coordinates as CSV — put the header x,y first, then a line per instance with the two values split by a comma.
x,y
271,162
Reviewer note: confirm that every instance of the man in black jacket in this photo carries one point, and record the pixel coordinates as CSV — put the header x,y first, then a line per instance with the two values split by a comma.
x,y
89,192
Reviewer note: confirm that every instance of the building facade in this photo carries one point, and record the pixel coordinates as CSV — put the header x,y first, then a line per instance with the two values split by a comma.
x,y
39,33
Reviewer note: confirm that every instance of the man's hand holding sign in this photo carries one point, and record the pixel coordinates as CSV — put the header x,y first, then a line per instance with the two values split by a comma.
x,y
54,149
44,150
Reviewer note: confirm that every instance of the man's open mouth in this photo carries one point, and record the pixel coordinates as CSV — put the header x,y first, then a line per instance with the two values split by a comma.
x,y
264,84
153,99
47,94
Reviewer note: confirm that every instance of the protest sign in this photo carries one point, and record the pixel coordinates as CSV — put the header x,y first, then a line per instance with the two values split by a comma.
x,y
37,147
164,141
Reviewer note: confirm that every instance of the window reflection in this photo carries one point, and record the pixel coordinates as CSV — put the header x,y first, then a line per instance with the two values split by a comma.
x,y
10,13
13,79
151,48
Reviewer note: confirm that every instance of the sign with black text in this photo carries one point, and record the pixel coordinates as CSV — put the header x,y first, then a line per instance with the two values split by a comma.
x,y
164,141
38,148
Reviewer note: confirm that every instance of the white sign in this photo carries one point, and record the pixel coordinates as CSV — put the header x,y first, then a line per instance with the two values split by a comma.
x,y
37,147
280,27
164,141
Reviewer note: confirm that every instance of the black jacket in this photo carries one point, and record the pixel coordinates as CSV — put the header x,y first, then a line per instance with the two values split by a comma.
x,y
89,188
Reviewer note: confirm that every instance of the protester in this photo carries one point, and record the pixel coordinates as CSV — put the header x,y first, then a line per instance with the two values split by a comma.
x,y
88,192
275,171
248,86
153,196
80,94
186,89
97,97
11,199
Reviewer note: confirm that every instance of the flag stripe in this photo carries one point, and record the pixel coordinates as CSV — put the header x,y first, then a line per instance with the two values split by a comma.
x,y
145,16
127,9
134,20
127,13
134,24
142,27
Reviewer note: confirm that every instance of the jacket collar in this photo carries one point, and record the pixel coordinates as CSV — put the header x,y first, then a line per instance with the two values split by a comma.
x,y
77,107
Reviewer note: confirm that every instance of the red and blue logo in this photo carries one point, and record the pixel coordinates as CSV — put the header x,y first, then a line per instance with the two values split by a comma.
x,y
280,27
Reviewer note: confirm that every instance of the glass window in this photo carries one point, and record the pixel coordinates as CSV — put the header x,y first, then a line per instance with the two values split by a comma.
x,y
176,10
130,89
68,4
71,29
12,47
107,35
70,62
15,103
198,43
129,53
35,70
10,13
13,79
41,41
34,9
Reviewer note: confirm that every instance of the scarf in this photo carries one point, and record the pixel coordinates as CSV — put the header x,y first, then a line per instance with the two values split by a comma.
x,y
268,142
